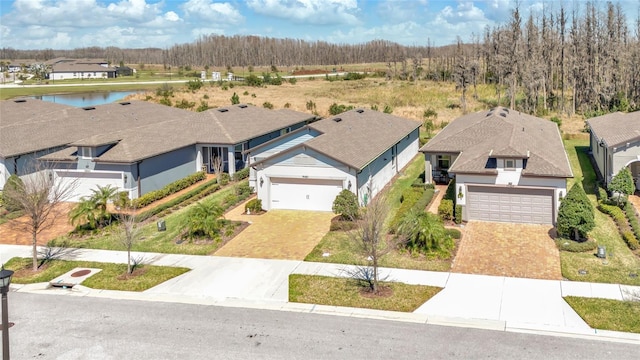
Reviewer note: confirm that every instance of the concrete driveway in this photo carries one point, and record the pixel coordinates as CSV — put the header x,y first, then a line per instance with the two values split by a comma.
x,y
277,234
512,250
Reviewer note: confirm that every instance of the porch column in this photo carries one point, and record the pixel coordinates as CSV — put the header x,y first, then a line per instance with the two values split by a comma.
x,y
428,175
232,159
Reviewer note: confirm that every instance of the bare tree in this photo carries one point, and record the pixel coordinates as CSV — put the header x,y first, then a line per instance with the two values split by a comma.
x,y
39,196
129,233
371,233
216,164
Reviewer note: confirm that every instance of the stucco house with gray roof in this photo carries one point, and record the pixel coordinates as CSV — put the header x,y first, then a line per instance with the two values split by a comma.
x,y
134,146
615,144
508,166
359,150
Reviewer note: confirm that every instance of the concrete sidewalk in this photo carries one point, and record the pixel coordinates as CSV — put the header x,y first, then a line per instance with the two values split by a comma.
x,y
490,302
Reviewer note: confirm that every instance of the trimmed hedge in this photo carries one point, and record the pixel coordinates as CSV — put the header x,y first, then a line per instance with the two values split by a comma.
x,y
172,188
198,193
623,226
224,179
633,221
575,246
412,198
445,209
453,233
458,214
241,174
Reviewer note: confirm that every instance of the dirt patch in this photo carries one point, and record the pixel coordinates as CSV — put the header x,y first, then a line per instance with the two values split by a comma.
x,y
383,292
137,272
27,271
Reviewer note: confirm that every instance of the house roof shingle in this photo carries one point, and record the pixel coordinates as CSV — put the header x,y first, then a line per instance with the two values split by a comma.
x,y
137,129
502,133
616,128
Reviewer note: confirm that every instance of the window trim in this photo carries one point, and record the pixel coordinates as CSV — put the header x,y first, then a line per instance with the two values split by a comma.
x,y
513,163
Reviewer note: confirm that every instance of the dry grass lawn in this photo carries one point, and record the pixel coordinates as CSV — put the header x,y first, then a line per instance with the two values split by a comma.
x,y
407,99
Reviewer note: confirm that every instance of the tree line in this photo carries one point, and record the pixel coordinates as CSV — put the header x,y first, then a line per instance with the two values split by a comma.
x,y
582,59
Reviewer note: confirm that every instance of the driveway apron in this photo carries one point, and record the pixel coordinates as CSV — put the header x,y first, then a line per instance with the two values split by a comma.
x,y
512,250
277,234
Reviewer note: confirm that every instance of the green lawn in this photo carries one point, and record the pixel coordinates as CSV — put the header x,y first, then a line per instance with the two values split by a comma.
x,y
624,261
607,314
344,250
152,240
325,290
110,278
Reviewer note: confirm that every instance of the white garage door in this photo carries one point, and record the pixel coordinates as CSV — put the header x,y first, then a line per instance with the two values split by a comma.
x,y
304,194
516,205
83,182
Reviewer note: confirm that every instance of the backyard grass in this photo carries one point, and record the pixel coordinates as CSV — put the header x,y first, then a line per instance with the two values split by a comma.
x,y
607,314
110,278
344,250
152,240
621,261
323,290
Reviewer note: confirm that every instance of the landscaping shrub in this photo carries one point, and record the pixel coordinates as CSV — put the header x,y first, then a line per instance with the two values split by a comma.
x,y
172,188
408,200
13,184
183,200
346,205
620,218
458,214
630,239
241,174
243,189
253,205
450,193
445,209
575,216
453,233
630,211
602,194
569,245
224,179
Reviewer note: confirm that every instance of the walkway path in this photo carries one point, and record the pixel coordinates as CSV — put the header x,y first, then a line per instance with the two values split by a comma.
x,y
491,302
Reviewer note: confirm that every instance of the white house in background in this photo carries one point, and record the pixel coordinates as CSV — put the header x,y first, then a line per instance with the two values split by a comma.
x,y
615,144
65,70
508,166
359,150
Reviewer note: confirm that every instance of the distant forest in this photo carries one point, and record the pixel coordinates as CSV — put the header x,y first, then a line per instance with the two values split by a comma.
x,y
582,58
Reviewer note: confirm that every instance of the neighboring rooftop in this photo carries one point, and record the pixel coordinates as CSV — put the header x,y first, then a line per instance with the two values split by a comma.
x,y
617,128
502,133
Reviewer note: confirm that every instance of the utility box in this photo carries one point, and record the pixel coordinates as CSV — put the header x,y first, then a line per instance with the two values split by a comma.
x,y
161,225
602,252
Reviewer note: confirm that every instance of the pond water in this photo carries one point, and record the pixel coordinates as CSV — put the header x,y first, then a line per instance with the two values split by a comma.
x,y
86,99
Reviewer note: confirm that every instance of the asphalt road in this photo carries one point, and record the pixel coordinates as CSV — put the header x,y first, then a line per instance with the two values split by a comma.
x,y
68,327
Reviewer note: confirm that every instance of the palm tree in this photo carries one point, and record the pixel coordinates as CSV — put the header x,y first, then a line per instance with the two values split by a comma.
x,y
423,231
85,211
101,197
204,220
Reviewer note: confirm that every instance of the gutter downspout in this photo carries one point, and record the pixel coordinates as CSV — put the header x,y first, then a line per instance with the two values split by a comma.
x,y
138,179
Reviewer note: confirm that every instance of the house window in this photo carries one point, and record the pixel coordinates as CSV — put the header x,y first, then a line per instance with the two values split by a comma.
x,y
285,131
444,161
393,155
509,164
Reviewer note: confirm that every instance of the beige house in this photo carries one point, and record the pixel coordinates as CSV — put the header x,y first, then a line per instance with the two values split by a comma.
x,y
508,166
615,144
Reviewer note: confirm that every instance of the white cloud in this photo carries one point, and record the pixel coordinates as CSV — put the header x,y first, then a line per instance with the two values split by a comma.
x,y
317,12
171,16
208,10
464,12
402,10
197,32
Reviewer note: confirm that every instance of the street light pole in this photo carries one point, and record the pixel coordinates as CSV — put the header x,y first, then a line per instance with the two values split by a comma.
x,y
5,280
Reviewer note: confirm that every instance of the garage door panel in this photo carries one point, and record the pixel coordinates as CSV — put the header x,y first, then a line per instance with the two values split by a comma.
x,y
304,194
510,205
84,182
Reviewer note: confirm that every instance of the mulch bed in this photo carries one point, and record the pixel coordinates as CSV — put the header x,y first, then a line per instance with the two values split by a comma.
x,y
137,272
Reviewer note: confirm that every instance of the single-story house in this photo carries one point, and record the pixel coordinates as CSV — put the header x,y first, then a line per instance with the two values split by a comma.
x,y
615,144
134,146
73,70
508,166
359,150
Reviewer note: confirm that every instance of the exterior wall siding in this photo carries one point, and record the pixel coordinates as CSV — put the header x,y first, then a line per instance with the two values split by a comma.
x,y
158,171
625,155
599,154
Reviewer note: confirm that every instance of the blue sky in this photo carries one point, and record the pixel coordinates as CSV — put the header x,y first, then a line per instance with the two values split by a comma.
x,y
68,24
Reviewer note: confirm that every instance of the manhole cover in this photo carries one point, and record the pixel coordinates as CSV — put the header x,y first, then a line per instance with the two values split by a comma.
x,y
81,273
